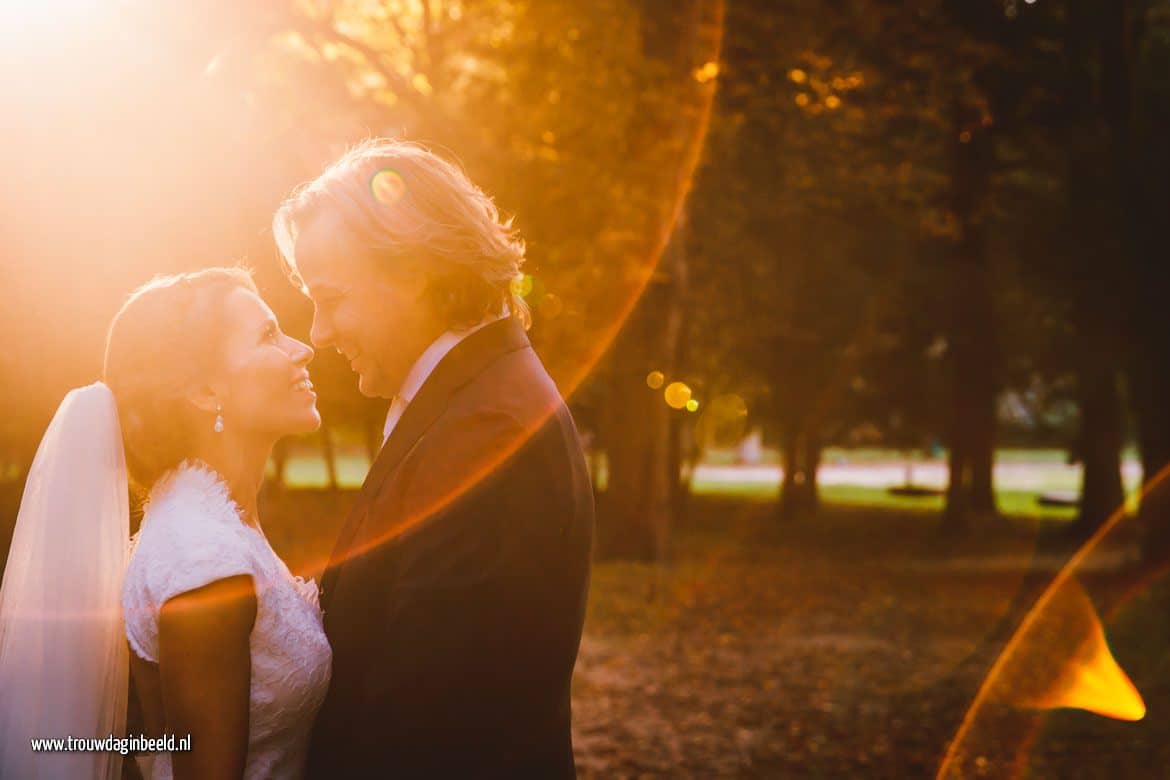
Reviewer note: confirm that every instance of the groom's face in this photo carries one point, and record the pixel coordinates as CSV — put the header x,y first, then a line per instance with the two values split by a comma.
x,y
378,319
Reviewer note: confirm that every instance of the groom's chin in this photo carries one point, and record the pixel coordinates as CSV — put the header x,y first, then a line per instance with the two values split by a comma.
x,y
367,386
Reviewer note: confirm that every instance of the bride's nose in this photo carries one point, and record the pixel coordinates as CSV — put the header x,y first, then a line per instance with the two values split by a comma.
x,y
302,353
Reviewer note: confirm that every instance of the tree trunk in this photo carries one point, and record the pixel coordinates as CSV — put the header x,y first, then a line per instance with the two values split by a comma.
x,y
810,498
787,502
280,461
970,490
1142,256
643,475
982,498
635,517
1096,311
625,525
683,449
801,460
973,346
1099,445
678,469
955,515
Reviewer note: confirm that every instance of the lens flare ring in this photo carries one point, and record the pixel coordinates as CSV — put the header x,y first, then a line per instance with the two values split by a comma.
x,y
1089,679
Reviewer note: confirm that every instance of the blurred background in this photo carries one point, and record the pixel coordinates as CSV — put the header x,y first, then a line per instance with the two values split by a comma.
x,y
861,309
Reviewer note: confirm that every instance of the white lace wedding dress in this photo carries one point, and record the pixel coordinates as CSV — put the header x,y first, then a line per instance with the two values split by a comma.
x,y
192,535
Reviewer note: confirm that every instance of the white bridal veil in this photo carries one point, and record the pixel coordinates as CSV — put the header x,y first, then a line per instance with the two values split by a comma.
x,y
63,658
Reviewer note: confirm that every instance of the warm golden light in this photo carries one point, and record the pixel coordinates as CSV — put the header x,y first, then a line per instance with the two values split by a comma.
x,y
1063,660
802,100
655,380
706,73
1099,685
797,76
551,306
420,82
1058,657
692,405
14,12
677,395
730,407
832,102
368,58
522,286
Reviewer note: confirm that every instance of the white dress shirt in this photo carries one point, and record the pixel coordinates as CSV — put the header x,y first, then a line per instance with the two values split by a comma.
x,y
422,368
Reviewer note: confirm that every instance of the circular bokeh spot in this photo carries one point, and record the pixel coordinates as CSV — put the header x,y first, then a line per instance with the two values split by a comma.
x,y
677,394
522,286
387,186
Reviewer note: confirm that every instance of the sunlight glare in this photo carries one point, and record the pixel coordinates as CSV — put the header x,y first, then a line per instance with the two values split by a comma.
x,y
1087,678
17,16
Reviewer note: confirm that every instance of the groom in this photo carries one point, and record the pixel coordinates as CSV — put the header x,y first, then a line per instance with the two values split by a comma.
x,y
455,594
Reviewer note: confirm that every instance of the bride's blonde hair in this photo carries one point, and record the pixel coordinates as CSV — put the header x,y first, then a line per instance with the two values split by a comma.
x,y
162,342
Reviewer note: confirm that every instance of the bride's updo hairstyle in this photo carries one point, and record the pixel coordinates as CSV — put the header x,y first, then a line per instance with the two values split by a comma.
x,y
162,343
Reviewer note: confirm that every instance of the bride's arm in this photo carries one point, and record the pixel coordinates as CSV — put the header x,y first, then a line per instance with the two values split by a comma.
x,y
205,668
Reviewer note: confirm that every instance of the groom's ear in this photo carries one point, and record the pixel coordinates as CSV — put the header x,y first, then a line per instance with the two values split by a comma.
x,y
204,397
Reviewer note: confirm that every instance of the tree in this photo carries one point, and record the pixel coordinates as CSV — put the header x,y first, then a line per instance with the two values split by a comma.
x,y
805,221
675,101
1135,49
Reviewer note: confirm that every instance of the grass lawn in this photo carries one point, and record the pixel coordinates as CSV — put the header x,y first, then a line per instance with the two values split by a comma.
x,y
1023,476
1011,502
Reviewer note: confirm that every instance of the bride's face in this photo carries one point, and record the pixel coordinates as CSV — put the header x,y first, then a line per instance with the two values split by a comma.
x,y
264,384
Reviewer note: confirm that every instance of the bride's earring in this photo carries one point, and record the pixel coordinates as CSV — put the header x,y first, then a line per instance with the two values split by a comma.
x,y
218,418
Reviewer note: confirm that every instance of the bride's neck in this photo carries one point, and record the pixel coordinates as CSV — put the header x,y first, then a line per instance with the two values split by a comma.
x,y
241,465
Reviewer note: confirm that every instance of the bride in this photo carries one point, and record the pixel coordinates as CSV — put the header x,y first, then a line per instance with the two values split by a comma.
x,y
223,643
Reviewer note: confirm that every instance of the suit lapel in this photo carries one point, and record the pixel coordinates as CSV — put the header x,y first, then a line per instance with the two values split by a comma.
x,y
458,367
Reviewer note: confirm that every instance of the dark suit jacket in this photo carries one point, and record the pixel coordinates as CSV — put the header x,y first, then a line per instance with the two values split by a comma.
x,y
456,592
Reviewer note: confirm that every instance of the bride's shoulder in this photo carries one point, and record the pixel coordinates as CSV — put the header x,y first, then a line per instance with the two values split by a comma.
x,y
190,499
189,518
191,536
191,489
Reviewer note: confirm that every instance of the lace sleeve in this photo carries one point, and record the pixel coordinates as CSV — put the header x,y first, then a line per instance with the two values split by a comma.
x,y
182,547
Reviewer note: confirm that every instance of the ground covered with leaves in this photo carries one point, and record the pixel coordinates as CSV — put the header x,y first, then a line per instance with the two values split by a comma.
x,y
847,646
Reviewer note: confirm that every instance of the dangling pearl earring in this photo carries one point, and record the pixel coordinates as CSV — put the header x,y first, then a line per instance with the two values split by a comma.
x,y
218,418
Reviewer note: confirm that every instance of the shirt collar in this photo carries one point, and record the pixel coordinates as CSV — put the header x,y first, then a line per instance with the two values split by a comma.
x,y
432,355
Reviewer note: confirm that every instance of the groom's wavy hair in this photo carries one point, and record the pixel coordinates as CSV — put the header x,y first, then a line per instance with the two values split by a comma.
x,y
420,213
164,341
